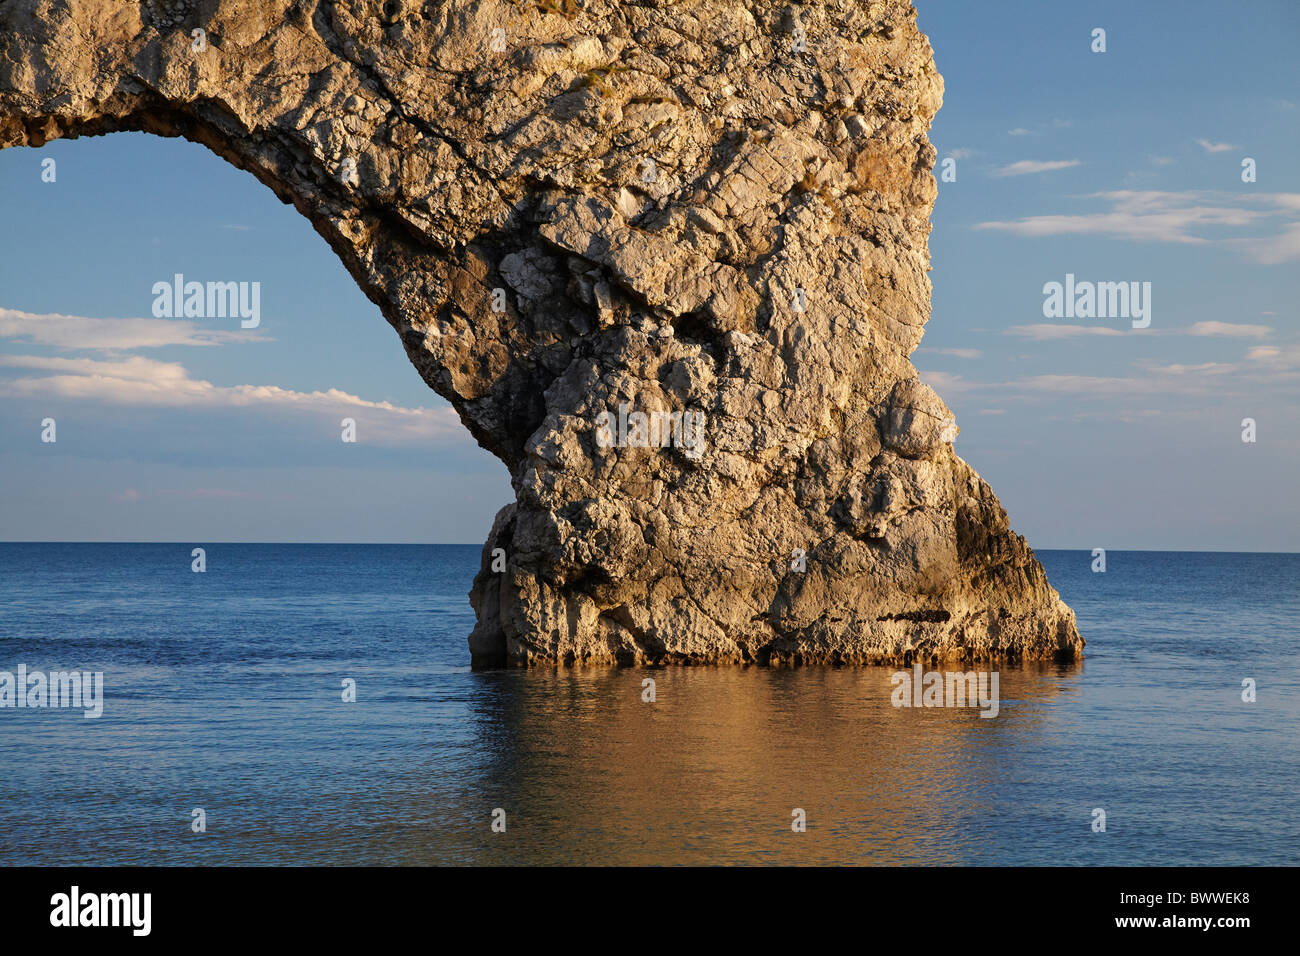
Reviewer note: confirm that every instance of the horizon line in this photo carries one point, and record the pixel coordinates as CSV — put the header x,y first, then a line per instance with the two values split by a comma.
x,y
471,544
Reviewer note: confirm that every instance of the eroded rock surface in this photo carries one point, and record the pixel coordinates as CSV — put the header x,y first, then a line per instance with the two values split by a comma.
x,y
709,207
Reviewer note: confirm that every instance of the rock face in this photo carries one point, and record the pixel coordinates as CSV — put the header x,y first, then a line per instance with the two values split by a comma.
x,y
577,215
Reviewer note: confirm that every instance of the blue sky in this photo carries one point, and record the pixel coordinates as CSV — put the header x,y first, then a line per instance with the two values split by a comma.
x,y
1115,166
216,461
1098,434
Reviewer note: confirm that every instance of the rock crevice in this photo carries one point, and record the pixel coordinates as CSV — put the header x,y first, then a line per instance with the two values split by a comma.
x,y
668,261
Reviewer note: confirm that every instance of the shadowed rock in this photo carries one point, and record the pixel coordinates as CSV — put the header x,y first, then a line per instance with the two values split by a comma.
x,y
712,209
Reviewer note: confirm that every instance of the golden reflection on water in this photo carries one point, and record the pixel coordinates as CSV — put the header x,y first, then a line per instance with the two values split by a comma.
x,y
713,769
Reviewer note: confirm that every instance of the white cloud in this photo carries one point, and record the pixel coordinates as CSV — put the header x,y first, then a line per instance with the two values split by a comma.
x,y
1026,166
1230,330
955,353
1210,147
133,380
80,332
1284,359
1272,250
143,382
1052,331
1056,123
1099,386
1262,365
1263,352
1176,217
133,369
1047,331
945,383
1204,368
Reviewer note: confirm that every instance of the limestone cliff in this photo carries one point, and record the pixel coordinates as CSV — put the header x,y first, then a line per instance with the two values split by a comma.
x,y
576,214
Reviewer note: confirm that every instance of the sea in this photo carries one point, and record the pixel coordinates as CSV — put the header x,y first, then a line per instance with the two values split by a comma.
x,y
313,704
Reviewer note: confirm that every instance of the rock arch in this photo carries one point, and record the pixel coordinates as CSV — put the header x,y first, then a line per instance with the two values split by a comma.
x,y
716,208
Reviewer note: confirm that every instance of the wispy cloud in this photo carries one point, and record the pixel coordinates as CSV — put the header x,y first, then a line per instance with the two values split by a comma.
x,y
1047,331
1052,331
955,353
1284,358
1201,368
1178,217
945,383
1105,387
1211,147
1271,250
76,332
1056,123
1027,166
1235,330
116,377
1261,365
143,382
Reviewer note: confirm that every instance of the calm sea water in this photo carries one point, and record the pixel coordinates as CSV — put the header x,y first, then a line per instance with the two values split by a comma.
x,y
223,692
